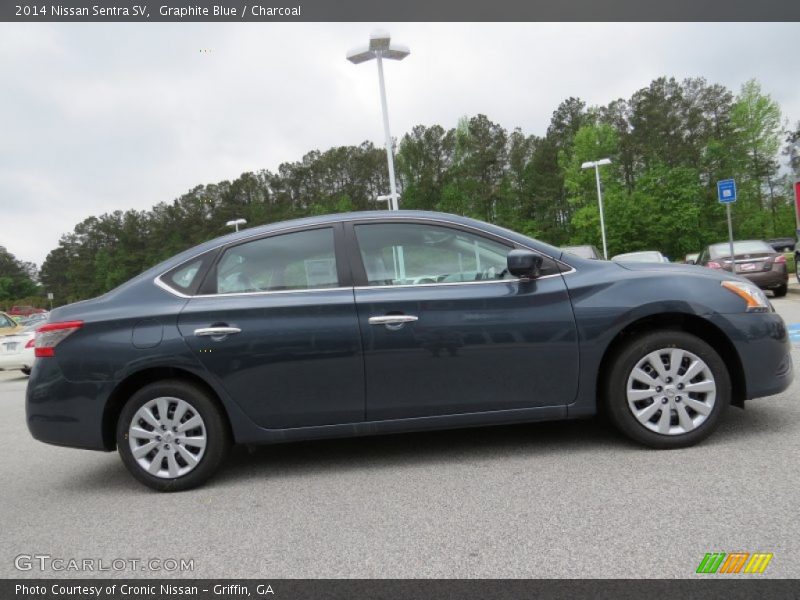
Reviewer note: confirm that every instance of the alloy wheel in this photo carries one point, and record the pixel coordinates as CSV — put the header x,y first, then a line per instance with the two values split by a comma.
x,y
167,437
671,391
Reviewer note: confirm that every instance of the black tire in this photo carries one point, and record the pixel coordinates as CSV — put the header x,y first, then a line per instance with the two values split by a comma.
x,y
217,435
780,292
621,367
26,370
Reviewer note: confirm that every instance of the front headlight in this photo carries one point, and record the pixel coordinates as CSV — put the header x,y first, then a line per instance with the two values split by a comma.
x,y
756,299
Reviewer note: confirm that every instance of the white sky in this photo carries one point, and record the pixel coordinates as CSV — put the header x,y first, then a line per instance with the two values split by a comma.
x,y
100,117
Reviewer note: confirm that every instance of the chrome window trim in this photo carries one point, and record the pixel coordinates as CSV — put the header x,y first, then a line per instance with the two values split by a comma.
x,y
263,292
166,287
449,283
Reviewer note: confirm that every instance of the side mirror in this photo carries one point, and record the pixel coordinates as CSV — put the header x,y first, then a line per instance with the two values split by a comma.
x,y
524,264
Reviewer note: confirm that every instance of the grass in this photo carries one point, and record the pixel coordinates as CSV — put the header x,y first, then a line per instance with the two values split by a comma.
x,y
790,264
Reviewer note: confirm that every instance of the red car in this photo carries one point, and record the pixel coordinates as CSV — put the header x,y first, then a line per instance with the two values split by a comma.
x,y
24,311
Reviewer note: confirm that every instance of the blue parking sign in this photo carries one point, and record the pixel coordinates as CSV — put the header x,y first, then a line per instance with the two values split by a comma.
x,y
726,191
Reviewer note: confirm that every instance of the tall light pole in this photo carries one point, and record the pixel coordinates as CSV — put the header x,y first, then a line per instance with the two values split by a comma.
x,y
596,164
235,223
380,47
794,163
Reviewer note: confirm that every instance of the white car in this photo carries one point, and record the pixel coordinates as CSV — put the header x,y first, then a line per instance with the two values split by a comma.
x,y
16,349
647,256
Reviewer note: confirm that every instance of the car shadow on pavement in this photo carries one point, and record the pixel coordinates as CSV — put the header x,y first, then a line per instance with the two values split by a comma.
x,y
538,440
108,474
761,418
457,446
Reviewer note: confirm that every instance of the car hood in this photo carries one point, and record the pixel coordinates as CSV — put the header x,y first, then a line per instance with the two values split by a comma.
x,y
667,269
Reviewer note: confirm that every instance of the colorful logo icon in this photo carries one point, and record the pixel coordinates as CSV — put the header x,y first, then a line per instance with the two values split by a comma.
x,y
735,562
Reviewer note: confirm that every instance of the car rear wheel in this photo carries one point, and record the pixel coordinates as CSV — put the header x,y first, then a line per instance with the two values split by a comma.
x,y
667,389
172,436
780,292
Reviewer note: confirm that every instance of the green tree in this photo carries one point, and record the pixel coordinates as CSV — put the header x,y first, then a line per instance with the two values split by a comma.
x,y
17,278
756,118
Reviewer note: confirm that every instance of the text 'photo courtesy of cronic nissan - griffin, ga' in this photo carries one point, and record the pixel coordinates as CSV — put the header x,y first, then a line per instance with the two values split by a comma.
x,y
382,322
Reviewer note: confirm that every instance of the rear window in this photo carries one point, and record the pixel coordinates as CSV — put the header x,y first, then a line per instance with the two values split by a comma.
x,y
185,278
750,247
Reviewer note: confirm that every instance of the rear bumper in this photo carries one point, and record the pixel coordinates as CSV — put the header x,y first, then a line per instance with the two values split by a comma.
x,y
767,280
23,360
62,412
763,345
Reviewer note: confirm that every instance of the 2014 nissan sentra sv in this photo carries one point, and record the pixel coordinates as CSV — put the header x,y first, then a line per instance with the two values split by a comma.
x,y
380,322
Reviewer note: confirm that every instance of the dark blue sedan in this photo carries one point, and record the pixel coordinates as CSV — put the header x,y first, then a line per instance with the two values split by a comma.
x,y
382,322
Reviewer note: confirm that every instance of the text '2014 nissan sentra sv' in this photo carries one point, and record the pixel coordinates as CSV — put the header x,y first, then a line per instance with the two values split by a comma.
x,y
381,322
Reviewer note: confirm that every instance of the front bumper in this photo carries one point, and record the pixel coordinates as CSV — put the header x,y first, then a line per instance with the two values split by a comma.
x,y
762,342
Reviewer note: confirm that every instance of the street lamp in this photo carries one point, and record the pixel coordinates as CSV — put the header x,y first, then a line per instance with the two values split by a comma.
x,y
235,223
380,47
596,164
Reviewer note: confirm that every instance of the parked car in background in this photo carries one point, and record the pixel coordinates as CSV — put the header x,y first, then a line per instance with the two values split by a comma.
x,y
587,251
646,256
24,311
39,318
786,244
8,324
16,349
754,259
797,263
691,259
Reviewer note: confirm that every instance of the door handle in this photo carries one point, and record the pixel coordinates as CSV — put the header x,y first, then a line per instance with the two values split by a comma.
x,y
393,321
216,331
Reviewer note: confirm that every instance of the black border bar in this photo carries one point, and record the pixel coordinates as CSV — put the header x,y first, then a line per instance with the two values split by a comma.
x,y
711,588
401,10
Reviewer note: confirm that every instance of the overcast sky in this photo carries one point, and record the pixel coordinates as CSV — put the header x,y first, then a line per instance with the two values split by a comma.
x,y
100,117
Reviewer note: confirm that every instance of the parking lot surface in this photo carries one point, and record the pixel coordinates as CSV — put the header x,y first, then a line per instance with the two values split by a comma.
x,y
572,499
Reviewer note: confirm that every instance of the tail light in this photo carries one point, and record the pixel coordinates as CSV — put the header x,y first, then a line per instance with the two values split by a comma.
x,y
31,342
781,258
713,265
51,335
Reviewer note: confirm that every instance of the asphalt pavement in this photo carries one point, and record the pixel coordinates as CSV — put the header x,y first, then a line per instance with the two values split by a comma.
x,y
572,499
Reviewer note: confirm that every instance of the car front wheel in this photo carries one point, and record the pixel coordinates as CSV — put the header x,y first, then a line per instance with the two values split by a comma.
x,y
667,389
171,436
